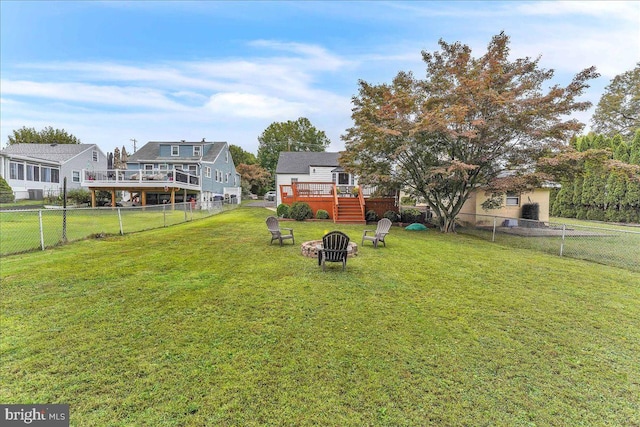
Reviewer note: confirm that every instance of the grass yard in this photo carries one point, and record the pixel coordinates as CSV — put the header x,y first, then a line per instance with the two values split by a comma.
x,y
21,229
205,323
608,244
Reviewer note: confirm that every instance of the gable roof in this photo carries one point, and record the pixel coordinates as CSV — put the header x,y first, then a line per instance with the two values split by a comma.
x,y
299,162
151,151
51,152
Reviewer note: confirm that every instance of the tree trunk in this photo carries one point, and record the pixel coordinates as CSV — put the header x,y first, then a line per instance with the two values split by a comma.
x,y
447,224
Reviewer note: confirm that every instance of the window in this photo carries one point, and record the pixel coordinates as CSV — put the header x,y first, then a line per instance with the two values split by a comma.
x,y
197,150
75,176
94,155
16,170
193,169
148,167
226,156
513,199
343,178
294,180
207,171
175,150
226,178
50,175
163,167
33,173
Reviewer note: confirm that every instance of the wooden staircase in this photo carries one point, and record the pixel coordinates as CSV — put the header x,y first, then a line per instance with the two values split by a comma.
x,y
349,211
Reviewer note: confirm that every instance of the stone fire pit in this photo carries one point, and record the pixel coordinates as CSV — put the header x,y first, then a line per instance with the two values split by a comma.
x,y
310,249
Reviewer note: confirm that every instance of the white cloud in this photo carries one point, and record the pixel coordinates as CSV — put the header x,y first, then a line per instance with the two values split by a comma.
x,y
251,105
122,96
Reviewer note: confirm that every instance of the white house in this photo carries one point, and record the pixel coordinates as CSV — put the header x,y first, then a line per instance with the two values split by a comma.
x,y
308,166
37,170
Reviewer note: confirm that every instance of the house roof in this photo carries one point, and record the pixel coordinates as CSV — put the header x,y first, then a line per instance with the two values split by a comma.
x,y
51,152
151,151
300,162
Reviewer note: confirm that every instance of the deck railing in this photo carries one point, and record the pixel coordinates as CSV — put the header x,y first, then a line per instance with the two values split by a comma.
x,y
125,176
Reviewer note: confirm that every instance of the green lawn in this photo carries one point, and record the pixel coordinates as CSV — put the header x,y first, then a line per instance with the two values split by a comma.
x,y
20,229
205,323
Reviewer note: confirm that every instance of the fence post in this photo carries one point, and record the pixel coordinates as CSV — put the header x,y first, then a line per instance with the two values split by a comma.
x,y
64,210
120,222
493,237
41,230
564,226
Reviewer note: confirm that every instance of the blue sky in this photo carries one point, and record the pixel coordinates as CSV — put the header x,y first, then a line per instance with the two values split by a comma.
x,y
109,72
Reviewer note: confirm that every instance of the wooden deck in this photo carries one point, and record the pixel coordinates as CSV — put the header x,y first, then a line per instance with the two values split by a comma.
x,y
341,202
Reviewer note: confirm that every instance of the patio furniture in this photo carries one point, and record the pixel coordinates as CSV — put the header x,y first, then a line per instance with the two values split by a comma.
x,y
276,232
384,225
334,249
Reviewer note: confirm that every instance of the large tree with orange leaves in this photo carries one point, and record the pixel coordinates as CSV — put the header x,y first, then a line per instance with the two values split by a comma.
x,y
462,126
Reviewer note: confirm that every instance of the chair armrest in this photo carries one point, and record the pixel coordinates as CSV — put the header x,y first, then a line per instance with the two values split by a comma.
x,y
368,231
290,229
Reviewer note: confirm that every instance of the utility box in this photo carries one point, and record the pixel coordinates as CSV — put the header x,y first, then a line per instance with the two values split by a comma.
x,y
35,194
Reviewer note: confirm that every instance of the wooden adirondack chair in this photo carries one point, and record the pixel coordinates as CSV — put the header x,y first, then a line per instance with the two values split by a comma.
x,y
384,225
334,249
276,232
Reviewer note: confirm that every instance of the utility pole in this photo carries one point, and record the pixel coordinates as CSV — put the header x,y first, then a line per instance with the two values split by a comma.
x,y
134,144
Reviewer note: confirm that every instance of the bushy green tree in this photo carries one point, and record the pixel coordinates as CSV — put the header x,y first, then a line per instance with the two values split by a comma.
x,y
240,156
618,111
298,135
48,135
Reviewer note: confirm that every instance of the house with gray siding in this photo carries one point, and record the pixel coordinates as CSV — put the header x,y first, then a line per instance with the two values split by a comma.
x,y
209,162
37,170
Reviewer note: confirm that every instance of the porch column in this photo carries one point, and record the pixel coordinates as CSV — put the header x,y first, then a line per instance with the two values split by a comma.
x,y
173,198
143,198
113,198
93,198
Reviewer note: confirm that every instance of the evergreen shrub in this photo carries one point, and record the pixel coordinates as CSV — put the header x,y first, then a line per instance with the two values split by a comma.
x,y
391,215
410,216
371,216
6,193
283,210
300,211
322,214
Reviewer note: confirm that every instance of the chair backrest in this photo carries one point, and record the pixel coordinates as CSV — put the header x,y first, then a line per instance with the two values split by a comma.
x,y
335,245
272,224
384,225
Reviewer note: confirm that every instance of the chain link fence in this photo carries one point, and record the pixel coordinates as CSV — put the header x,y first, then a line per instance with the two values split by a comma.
x,y
26,230
613,245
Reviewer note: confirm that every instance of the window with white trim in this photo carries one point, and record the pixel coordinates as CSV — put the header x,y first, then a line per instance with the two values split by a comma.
x,y
75,176
50,175
513,199
16,170
33,173
226,156
207,171
226,178
197,150
175,150
94,155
